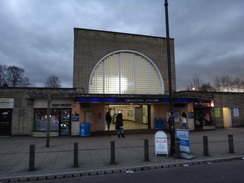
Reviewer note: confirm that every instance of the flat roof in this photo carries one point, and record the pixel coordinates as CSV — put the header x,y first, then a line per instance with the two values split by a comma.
x,y
113,32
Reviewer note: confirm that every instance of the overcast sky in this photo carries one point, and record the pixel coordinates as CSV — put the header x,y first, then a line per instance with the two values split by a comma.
x,y
37,35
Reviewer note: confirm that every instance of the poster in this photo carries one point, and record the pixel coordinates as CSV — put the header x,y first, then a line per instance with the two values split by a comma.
x,y
216,112
236,112
161,143
75,117
184,137
6,103
190,114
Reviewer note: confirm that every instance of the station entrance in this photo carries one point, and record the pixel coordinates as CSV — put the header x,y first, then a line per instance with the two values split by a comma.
x,y
135,116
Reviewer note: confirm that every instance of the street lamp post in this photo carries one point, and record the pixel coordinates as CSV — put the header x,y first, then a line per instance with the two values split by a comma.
x,y
49,98
171,111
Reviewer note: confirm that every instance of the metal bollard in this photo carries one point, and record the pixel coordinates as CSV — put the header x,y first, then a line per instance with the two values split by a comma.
x,y
112,152
146,150
177,148
205,146
32,158
231,143
76,164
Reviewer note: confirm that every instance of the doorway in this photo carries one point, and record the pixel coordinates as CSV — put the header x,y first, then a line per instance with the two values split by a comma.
x,y
64,123
5,122
203,118
227,117
139,115
135,116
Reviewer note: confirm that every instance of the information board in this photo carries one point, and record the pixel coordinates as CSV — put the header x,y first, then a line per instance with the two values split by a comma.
x,y
75,117
161,143
6,103
184,137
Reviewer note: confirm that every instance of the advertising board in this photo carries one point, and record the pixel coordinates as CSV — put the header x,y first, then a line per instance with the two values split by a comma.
x,y
161,143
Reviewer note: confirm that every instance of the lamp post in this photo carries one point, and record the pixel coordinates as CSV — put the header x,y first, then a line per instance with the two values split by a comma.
x,y
171,111
49,99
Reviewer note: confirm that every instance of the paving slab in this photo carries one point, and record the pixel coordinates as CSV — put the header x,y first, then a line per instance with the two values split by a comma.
x,y
94,154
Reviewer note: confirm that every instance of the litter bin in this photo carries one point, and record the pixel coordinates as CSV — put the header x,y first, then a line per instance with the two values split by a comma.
x,y
85,129
159,124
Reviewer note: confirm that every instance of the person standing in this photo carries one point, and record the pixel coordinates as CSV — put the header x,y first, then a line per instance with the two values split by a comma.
x,y
120,125
183,120
108,119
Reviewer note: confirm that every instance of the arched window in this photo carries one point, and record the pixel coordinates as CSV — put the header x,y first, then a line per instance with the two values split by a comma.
x,y
126,72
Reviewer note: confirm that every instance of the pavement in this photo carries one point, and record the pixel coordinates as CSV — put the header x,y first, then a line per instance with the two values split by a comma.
x,y
94,154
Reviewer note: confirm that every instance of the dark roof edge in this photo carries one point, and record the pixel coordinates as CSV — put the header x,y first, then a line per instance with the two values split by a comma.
x,y
210,92
113,32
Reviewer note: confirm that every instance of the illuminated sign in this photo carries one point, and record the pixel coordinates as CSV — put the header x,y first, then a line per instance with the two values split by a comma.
x,y
61,105
6,103
131,100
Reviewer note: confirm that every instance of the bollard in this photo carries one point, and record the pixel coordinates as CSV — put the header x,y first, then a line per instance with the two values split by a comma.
x,y
231,143
112,152
146,150
32,158
76,164
177,148
205,146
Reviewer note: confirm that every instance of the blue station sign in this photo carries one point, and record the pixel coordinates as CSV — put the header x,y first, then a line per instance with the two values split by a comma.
x,y
130,100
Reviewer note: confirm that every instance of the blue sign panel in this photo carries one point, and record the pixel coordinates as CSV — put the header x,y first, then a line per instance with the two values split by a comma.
x,y
75,117
130,100
184,137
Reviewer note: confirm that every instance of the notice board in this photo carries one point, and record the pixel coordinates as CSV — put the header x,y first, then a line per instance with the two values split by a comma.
x,y
184,137
161,143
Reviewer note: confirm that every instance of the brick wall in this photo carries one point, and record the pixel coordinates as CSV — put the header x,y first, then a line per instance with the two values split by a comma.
x,y
23,111
221,100
231,101
90,46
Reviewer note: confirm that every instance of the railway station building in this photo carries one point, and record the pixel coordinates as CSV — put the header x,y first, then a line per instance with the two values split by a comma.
x,y
120,73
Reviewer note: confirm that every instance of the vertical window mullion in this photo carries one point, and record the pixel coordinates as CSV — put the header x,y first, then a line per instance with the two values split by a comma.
x,y
134,74
119,73
104,79
150,78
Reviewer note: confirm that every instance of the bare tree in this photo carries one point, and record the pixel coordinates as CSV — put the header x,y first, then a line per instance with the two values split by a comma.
x,y
217,83
206,87
195,82
236,85
3,69
13,76
242,86
52,82
226,83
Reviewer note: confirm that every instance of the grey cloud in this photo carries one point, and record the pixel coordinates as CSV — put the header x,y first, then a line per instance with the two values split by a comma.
x,y
37,35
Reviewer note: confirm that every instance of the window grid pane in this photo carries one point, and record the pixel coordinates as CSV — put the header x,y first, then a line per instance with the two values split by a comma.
x,y
126,73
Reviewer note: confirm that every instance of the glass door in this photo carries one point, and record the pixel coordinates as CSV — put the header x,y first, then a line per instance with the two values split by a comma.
x,y
64,125
203,117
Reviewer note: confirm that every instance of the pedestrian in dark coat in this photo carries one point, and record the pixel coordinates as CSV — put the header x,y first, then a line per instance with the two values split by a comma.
x,y
120,125
108,119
